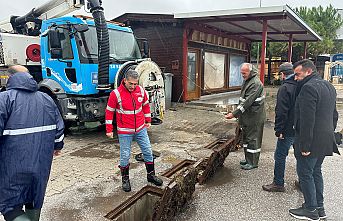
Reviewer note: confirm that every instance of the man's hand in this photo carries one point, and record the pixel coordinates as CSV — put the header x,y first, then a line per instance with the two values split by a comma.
x,y
305,154
57,153
229,116
148,125
109,135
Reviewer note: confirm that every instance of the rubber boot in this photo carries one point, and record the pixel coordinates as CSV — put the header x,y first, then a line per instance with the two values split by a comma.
x,y
22,217
125,178
33,214
17,214
151,177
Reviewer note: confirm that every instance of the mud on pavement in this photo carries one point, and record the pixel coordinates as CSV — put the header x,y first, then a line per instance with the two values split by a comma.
x,y
85,182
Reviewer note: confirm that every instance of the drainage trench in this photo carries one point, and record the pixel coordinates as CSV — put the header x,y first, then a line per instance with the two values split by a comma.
x,y
157,204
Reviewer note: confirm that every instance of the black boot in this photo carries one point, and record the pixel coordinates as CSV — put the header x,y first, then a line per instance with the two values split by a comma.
x,y
34,214
125,178
23,217
150,168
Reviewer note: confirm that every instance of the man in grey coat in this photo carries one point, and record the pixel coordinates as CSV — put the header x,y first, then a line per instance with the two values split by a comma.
x,y
315,122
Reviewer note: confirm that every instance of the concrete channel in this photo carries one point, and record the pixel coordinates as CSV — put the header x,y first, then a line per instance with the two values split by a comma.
x,y
162,204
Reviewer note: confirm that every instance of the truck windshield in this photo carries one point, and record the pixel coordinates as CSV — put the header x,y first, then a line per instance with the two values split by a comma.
x,y
123,45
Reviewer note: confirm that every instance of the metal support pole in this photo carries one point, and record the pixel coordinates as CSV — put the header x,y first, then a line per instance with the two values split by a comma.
x,y
305,49
184,63
290,44
263,51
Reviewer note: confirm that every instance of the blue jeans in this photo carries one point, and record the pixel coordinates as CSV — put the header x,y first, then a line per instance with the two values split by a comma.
x,y
281,152
311,180
143,141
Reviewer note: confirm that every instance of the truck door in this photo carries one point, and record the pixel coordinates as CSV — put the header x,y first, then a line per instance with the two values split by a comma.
x,y
60,60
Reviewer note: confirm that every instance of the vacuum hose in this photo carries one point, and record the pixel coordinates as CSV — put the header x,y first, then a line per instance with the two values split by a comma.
x,y
103,47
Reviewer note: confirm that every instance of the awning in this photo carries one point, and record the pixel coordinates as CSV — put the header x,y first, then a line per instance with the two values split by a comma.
x,y
247,23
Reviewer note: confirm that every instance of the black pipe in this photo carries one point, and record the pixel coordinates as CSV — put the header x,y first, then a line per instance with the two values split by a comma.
x,y
103,44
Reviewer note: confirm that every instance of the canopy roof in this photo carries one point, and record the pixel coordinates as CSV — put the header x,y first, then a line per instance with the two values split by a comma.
x,y
247,23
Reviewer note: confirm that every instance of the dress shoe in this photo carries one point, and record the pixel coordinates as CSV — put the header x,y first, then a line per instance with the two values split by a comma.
x,y
273,188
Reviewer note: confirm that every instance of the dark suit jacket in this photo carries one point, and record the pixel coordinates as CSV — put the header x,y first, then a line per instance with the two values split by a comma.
x,y
315,117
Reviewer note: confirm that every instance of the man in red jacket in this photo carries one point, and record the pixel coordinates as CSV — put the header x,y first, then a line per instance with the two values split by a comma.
x,y
131,104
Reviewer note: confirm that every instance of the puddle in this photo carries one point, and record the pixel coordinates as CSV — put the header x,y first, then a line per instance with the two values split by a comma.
x,y
222,176
101,150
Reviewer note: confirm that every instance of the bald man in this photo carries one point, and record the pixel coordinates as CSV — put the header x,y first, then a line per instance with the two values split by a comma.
x,y
31,132
251,115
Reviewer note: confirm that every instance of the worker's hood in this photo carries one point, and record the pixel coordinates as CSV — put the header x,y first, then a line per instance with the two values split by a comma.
x,y
22,81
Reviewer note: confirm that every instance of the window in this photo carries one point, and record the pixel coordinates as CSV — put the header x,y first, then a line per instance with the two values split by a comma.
x,y
214,74
123,45
236,78
67,51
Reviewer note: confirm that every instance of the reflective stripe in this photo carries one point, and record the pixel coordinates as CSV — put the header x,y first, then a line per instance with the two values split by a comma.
x,y
142,91
245,145
110,108
108,122
29,130
121,109
147,115
253,151
129,112
146,102
242,99
241,108
116,92
147,95
130,129
59,139
260,98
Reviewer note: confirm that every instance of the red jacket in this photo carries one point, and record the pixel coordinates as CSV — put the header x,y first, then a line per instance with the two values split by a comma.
x,y
132,110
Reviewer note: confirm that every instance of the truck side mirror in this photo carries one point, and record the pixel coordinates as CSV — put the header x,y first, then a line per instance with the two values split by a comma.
x,y
145,49
81,27
55,44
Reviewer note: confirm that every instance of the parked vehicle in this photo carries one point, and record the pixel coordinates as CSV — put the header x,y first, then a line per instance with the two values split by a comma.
x,y
77,60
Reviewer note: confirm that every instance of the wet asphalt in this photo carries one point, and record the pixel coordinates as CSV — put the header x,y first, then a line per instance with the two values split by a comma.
x,y
85,183
235,194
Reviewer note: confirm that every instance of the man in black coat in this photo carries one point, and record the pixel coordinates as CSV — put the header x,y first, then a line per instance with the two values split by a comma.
x,y
284,131
315,121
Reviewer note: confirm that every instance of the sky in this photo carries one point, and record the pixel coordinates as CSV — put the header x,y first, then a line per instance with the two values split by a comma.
x,y
114,8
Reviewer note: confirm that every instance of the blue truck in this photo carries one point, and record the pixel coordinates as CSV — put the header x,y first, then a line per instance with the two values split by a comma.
x,y
78,60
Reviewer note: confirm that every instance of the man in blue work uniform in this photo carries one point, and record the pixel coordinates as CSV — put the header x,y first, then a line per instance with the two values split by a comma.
x,y
31,132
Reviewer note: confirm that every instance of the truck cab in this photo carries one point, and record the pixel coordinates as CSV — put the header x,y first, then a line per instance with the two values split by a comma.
x,y
73,75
